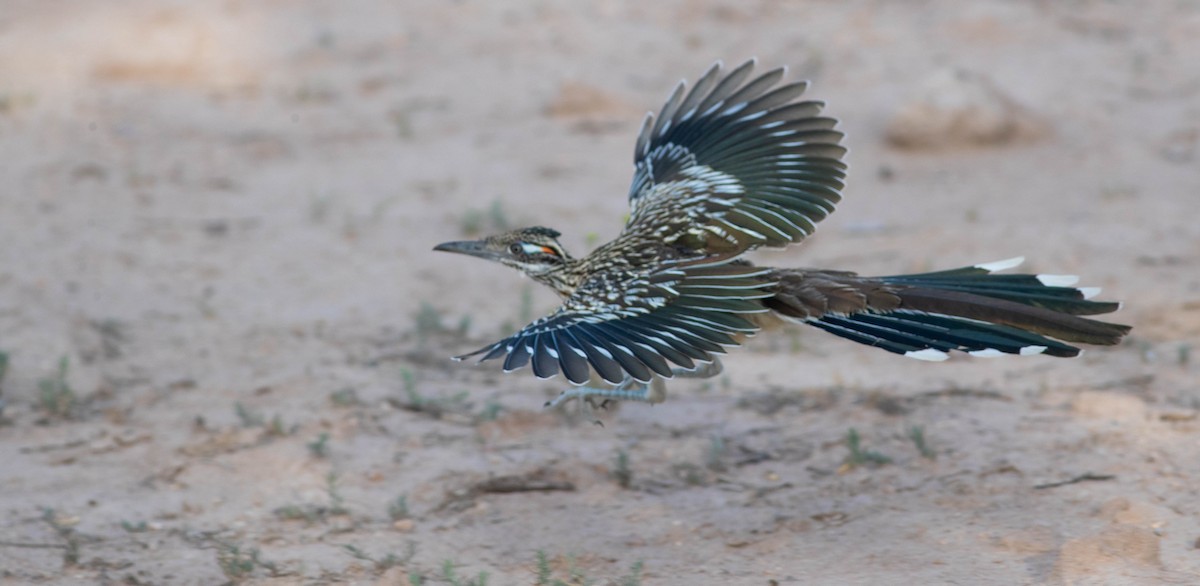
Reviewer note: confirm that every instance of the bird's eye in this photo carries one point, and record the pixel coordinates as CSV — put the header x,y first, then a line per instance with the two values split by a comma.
x,y
516,248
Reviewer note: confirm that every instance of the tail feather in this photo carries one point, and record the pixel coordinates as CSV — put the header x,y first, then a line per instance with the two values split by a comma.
x,y
1056,324
858,332
958,333
1035,290
968,309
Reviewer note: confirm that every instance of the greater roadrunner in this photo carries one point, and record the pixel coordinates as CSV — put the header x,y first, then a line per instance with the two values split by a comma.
x,y
732,165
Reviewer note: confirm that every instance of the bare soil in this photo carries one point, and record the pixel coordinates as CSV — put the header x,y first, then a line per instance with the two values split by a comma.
x,y
227,337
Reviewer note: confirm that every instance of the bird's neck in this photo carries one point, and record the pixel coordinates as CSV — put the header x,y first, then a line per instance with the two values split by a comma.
x,y
564,278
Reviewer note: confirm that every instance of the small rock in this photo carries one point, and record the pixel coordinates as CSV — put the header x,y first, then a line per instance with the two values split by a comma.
x,y
1122,510
394,575
580,100
960,108
1180,146
1118,550
1107,405
404,525
1034,540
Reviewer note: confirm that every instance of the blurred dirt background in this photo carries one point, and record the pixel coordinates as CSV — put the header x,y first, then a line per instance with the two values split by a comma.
x,y
225,339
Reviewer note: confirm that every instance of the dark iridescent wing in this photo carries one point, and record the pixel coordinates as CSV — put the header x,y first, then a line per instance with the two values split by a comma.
x,y
640,326
736,163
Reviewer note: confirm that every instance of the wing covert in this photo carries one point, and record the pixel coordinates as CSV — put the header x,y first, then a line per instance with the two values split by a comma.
x,y
734,164
644,326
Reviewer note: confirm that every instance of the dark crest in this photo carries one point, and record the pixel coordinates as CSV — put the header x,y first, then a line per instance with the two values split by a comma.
x,y
544,231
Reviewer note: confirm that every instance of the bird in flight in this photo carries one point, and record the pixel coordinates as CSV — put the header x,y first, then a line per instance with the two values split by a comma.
x,y
736,163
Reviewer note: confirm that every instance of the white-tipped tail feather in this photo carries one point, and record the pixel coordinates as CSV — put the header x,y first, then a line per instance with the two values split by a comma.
x,y
1001,265
1058,280
928,354
987,353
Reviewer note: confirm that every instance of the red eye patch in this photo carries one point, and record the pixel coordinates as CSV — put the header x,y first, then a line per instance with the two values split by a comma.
x,y
530,248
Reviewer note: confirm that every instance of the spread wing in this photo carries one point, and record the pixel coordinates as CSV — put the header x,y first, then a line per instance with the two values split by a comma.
x,y
734,165
620,323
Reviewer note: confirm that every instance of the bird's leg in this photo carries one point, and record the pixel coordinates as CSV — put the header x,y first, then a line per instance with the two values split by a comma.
x,y
627,390
703,371
631,390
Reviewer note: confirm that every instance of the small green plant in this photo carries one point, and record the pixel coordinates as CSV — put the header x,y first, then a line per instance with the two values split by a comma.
x,y
3,370
714,458
319,448
410,381
427,321
435,407
916,433
1184,356
112,336
498,216
238,564
543,570
299,513
491,410
347,397
402,123
55,395
545,574
690,473
276,428
380,209
634,577
622,473
247,417
319,207
506,328
439,405
10,102
575,576
475,222
795,341
337,504
234,563
471,223
1146,350
139,527
860,456
450,574
65,532
525,311
387,562
310,513
398,509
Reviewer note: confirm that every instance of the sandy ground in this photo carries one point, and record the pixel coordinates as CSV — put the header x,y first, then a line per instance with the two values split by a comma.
x,y
227,337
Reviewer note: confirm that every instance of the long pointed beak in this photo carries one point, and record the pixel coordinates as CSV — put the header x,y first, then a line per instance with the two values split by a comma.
x,y
475,248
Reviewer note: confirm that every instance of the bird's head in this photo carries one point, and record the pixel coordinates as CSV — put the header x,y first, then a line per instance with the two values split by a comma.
x,y
535,251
